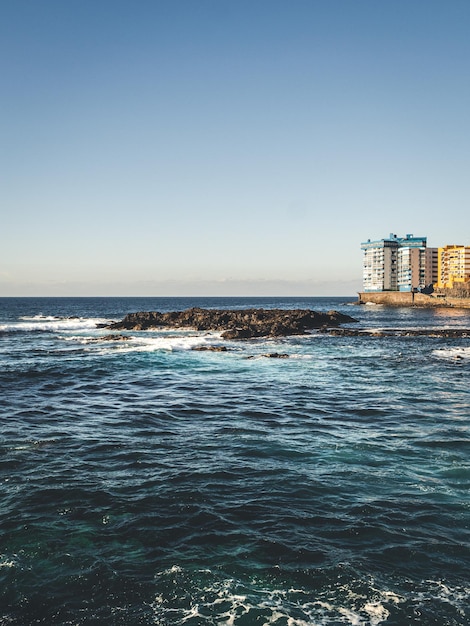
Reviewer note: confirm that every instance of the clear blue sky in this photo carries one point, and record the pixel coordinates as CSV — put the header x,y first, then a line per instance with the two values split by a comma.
x,y
211,147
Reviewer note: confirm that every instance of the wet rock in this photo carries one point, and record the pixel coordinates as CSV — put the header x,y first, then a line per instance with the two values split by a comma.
x,y
112,338
398,332
269,355
235,324
241,333
210,349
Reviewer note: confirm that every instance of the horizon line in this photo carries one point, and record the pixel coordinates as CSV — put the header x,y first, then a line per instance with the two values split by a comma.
x,y
184,296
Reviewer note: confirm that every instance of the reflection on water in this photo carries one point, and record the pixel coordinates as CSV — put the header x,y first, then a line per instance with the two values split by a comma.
x,y
453,314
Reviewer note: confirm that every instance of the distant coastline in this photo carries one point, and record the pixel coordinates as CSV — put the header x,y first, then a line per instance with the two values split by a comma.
x,y
404,299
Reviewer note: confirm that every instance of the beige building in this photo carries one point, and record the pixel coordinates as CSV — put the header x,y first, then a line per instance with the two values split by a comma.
x,y
453,265
417,267
431,266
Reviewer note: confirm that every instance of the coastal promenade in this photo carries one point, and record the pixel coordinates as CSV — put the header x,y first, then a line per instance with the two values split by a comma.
x,y
407,298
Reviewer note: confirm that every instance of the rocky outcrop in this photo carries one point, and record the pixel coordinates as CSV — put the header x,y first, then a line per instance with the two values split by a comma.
x,y
270,355
235,324
210,349
399,332
112,338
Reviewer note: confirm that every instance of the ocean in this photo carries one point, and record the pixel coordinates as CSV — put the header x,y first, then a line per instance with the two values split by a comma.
x,y
144,482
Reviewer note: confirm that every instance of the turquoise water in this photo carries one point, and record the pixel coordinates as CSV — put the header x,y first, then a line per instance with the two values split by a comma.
x,y
143,482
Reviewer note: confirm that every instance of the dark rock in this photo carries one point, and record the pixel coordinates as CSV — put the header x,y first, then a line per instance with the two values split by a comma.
x,y
235,324
210,349
270,355
112,338
398,332
240,333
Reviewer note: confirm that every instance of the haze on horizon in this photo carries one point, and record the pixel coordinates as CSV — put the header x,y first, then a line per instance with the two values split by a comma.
x,y
205,147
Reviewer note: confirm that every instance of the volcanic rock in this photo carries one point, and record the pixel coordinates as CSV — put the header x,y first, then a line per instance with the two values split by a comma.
x,y
210,348
271,355
235,324
112,338
398,332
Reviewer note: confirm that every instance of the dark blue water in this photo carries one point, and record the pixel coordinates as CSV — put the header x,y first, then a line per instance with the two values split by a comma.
x,y
143,482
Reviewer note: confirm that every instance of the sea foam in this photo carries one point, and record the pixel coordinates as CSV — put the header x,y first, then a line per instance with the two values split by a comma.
x,y
454,353
40,323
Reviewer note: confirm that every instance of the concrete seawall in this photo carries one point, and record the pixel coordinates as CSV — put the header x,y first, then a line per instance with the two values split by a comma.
x,y
406,298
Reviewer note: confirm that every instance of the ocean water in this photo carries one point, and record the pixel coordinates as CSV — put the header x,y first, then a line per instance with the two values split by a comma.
x,y
143,482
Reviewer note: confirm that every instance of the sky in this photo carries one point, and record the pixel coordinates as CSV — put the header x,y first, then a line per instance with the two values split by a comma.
x,y
215,147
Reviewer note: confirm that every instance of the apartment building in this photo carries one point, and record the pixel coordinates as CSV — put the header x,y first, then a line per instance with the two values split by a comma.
x,y
453,265
398,264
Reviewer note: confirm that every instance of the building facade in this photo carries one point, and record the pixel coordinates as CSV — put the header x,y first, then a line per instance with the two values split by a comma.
x,y
431,267
398,264
453,266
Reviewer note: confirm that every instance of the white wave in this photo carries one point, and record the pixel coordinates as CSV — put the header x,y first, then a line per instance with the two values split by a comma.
x,y
6,562
369,614
153,343
52,324
39,318
454,354
294,607
277,610
453,595
173,569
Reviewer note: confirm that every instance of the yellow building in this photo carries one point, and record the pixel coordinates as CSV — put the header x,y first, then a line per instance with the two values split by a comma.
x,y
453,266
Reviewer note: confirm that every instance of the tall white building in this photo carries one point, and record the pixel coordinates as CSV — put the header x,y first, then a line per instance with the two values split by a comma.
x,y
398,264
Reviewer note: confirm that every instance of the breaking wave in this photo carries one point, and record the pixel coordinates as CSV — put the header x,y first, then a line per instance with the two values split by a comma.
x,y
49,323
453,353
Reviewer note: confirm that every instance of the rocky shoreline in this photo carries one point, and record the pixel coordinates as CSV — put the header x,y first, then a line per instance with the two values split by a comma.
x,y
399,332
235,324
